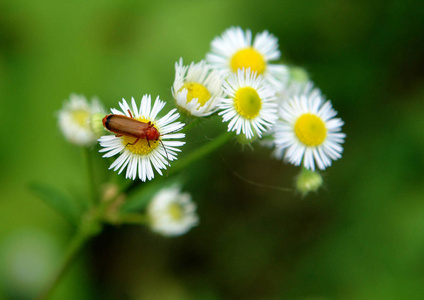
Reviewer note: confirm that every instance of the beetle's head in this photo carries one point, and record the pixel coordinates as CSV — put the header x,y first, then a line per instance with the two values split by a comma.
x,y
152,133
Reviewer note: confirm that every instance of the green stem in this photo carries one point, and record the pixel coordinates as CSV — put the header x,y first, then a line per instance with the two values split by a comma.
x,y
137,201
201,152
74,247
186,161
191,124
132,218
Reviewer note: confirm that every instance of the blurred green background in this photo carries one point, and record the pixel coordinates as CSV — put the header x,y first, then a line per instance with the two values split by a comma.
x,y
360,237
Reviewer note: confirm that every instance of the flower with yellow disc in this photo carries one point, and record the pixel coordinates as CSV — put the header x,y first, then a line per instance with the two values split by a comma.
x,y
140,158
308,133
74,119
172,212
234,50
197,88
249,106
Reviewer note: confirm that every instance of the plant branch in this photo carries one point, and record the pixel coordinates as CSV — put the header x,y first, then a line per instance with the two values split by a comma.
x,y
89,228
201,152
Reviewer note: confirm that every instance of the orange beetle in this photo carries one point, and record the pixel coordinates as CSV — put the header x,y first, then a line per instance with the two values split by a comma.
x,y
128,126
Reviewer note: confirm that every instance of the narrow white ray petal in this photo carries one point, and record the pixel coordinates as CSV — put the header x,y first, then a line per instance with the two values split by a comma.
x,y
134,108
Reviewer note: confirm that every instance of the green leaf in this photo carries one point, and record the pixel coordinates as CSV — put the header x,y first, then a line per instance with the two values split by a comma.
x,y
60,202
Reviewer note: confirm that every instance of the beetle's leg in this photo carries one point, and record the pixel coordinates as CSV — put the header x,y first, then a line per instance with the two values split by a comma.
x,y
133,142
119,135
129,111
148,142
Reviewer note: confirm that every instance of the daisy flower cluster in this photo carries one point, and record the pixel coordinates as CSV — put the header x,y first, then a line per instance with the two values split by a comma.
x,y
242,83
262,98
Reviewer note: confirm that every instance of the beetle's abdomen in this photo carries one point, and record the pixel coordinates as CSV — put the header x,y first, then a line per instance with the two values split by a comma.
x,y
124,125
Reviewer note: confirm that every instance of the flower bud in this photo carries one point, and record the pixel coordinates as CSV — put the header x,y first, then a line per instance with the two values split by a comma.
x,y
308,181
244,141
298,74
96,123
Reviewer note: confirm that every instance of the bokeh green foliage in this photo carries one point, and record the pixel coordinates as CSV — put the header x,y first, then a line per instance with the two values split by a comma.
x,y
361,237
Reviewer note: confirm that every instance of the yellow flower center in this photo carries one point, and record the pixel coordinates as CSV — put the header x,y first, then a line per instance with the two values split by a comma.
x,y
196,90
247,102
142,147
81,117
248,57
175,211
310,130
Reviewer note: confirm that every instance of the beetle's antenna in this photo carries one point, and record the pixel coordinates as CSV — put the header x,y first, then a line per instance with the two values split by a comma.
x,y
167,158
173,130
166,152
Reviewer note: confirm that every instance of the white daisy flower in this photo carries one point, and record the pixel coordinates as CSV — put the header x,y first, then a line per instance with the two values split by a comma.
x,y
74,119
171,212
308,132
250,104
234,50
197,88
138,155
293,88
